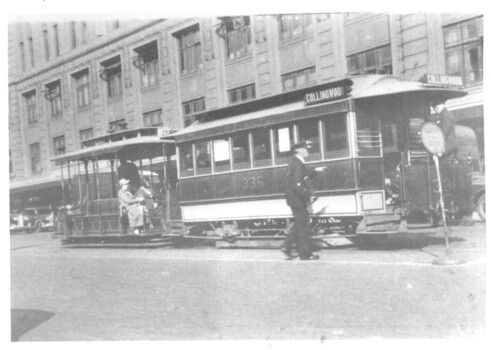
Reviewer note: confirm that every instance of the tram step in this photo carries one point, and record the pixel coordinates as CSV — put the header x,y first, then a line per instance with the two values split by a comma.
x,y
382,224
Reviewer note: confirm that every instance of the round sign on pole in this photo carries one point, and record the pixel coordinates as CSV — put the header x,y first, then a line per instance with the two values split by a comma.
x,y
432,138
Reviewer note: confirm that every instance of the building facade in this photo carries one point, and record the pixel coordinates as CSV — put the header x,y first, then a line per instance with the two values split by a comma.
x,y
74,80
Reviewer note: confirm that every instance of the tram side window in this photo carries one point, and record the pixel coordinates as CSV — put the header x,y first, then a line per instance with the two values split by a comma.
x,y
335,137
203,157
221,154
241,154
283,141
186,159
309,130
261,147
368,136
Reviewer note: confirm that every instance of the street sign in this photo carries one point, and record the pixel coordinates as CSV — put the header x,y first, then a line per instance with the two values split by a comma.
x,y
432,138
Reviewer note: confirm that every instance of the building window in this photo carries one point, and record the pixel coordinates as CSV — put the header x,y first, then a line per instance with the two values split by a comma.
x,y
30,102
295,26
86,134
59,145
190,50
73,35
299,79
375,61
118,125
153,118
82,85
53,95
147,62
112,74
35,158
192,107
242,94
22,56
46,44
237,34
464,50
31,51
56,40
84,33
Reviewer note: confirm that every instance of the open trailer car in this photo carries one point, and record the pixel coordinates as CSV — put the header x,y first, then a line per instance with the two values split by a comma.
x,y
232,161
90,212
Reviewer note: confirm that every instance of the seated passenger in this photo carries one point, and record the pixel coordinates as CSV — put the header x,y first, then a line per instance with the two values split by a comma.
x,y
130,207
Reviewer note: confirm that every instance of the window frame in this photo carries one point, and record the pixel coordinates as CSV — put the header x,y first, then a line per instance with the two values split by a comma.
x,y
381,64
148,63
30,102
82,88
190,53
303,27
151,115
305,72
237,36
460,46
249,89
54,97
83,132
59,146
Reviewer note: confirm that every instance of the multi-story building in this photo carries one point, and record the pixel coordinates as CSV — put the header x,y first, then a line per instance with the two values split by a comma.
x,y
69,81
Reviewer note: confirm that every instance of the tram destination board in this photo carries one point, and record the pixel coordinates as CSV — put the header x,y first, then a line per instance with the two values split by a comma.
x,y
432,138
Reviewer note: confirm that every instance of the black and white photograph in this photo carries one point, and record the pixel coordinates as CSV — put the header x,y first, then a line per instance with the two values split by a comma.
x,y
234,175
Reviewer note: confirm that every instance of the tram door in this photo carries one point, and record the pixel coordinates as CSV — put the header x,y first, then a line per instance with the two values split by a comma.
x,y
172,187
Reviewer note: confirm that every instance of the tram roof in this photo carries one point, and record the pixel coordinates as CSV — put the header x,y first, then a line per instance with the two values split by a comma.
x,y
134,144
233,117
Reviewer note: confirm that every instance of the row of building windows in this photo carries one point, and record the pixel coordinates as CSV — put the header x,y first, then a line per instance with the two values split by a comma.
x,y
78,36
463,45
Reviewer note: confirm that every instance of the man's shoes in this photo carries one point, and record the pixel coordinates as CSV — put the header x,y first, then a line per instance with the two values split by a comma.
x,y
311,257
289,254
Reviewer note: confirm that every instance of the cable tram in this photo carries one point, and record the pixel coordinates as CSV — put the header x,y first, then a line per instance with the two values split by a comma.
x,y
90,214
232,161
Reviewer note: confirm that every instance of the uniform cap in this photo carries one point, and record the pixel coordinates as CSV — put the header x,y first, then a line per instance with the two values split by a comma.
x,y
304,144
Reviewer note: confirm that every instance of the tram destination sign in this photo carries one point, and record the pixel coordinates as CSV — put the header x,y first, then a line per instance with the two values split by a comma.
x,y
327,94
432,138
442,80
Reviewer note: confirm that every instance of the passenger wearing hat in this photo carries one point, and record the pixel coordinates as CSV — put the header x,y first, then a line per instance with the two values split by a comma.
x,y
298,198
130,208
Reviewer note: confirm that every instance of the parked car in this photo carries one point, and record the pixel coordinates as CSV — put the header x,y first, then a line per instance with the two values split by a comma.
x,y
32,220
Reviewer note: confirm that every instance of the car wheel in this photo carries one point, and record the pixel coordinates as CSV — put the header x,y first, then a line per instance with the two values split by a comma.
x,y
481,206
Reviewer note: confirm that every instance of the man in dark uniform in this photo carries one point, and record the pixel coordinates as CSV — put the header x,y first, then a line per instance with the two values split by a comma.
x,y
446,121
298,197
128,170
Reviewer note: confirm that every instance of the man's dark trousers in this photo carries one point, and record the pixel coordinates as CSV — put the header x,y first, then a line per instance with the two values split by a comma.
x,y
300,232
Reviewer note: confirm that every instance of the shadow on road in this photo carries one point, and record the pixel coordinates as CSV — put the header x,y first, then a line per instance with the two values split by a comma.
x,y
22,321
397,242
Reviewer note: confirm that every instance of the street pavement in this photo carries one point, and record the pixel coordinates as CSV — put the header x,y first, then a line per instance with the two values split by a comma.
x,y
388,290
